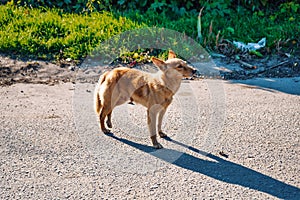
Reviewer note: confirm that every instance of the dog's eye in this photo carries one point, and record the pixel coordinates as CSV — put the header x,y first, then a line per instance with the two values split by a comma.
x,y
179,66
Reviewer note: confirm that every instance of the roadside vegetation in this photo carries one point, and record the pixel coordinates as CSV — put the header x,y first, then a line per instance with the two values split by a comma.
x,y
60,30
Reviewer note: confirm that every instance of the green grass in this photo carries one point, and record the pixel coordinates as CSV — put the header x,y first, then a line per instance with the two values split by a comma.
x,y
242,26
52,34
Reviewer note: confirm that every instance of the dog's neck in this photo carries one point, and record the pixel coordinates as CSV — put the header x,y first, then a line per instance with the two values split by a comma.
x,y
170,82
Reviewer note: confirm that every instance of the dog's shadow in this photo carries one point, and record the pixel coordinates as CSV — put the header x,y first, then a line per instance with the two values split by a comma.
x,y
220,169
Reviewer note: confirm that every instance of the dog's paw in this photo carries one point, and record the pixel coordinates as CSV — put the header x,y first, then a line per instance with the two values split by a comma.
x,y
106,131
162,134
158,146
108,123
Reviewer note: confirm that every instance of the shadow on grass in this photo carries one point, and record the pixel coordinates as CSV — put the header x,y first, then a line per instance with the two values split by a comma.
x,y
220,169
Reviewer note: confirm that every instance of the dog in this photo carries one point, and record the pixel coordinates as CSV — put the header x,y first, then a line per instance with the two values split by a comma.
x,y
155,91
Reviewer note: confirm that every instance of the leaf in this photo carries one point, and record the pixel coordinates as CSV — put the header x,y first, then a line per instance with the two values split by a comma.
x,y
260,13
295,7
182,11
291,19
121,2
282,10
189,5
143,3
226,11
60,4
257,53
273,17
264,2
67,1
230,29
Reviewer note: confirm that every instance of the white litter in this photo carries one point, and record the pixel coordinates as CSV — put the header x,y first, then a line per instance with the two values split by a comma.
x,y
251,46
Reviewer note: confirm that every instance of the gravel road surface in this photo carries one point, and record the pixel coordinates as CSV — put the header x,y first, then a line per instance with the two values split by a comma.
x,y
227,140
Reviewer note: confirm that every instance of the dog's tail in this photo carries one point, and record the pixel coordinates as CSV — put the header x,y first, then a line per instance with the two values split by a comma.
x,y
97,101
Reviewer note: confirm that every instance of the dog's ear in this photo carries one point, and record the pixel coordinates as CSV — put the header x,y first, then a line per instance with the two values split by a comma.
x,y
159,63
171,54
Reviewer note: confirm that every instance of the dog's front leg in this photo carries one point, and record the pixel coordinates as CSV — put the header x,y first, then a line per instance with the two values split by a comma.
x,y
152,115
160,118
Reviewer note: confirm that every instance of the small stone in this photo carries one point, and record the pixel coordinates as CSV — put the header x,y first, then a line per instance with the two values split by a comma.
x,y
72,68
155,186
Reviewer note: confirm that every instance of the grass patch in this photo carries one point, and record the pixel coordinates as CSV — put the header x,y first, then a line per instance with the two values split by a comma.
x,y
241,26
52,34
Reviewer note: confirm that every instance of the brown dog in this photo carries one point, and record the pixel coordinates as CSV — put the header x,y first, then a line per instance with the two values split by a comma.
x,y
154,91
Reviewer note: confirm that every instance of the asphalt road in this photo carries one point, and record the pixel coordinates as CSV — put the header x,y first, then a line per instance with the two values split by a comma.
x,y
227,140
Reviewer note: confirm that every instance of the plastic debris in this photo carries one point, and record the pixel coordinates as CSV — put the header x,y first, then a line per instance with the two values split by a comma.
x,y
251,46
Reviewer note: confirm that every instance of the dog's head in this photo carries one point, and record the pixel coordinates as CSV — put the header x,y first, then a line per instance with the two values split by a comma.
x,y
174,66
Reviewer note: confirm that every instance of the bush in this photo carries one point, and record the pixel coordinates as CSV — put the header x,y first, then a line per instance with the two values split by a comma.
x,y
177,7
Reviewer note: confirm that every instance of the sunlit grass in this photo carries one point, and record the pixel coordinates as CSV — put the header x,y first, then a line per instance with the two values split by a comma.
x,y
52,34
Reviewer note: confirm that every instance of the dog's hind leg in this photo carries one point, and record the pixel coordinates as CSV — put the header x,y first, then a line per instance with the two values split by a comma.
x,y
104,112
108,121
